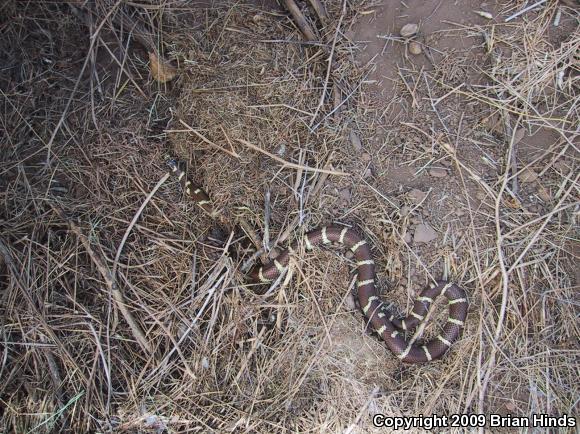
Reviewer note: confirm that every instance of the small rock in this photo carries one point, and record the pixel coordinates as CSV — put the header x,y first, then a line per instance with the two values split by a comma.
x,y
415,48
417,196
484,14
348,254
365,157
407,237
459,212
528,175
438,172
409,30
367,173
355,140
424,233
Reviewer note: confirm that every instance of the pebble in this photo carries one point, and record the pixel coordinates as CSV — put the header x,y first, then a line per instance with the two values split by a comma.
x,y
417,196
438,172
404,211
424,233
407,237
484,14
409,30
415,48
366,157
367,173
528,175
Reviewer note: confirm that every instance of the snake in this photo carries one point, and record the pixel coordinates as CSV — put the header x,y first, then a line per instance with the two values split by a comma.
x,y
381,319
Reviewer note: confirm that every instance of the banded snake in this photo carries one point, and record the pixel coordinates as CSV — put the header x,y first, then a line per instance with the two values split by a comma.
x,y
381,319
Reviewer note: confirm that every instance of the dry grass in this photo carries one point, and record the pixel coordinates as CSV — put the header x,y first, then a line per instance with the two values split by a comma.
x,y
85,134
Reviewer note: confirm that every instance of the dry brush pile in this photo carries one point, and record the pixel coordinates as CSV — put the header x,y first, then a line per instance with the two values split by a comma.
x,y
125,307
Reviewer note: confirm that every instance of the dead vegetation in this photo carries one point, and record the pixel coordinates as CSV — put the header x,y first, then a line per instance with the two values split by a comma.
x,y
116,317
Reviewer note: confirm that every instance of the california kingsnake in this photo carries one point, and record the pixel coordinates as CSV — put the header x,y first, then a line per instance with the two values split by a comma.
x,y
382,320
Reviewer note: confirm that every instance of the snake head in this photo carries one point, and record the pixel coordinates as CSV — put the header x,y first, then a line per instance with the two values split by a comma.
x,y
171,162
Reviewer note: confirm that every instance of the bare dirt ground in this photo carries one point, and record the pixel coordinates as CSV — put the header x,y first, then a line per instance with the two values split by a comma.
x,y
459,162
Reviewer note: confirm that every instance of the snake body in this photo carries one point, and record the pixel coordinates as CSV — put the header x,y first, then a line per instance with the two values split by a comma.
x,y
381,319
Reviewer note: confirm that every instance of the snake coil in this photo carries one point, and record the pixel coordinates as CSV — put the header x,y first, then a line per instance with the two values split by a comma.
x,y
381,319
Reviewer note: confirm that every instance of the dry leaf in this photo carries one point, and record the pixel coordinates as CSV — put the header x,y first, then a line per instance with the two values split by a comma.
x,y
494,123
162,71
544,194
513,203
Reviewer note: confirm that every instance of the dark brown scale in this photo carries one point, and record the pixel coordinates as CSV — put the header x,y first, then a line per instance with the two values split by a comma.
x,y
374,308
